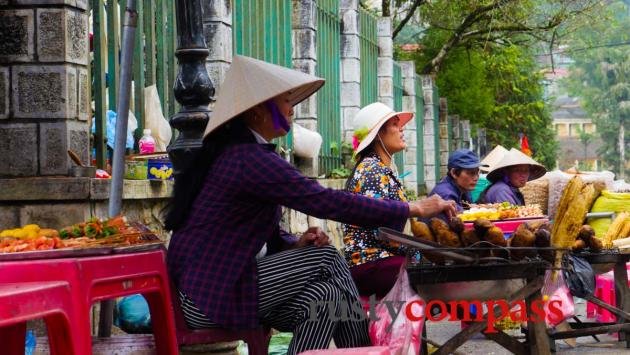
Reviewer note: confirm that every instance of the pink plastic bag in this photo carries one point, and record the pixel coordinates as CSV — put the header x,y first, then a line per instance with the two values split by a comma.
x,y
404,333
559,301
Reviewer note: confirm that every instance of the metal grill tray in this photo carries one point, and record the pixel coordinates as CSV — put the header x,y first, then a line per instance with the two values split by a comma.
x,y
56,253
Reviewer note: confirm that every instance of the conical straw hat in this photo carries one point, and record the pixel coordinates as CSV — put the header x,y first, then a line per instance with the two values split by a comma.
x,y
493,157
250,82
516,157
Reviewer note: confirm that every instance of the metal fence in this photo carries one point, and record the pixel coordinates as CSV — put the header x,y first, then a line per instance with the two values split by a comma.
x,y
328,97
436,130
369,57
153,61
399,158
419,98
262,30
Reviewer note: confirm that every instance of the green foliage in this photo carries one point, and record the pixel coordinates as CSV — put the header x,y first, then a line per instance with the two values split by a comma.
x,y
499,88
600,77
340,173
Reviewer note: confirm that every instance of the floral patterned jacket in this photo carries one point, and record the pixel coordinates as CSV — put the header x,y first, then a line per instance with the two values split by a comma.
x,y
374,179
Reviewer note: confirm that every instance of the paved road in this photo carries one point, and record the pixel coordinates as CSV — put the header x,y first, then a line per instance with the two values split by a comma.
x,y
440,332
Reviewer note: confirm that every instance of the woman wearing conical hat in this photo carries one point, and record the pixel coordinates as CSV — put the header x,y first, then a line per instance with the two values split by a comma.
x,y
230,260
510,174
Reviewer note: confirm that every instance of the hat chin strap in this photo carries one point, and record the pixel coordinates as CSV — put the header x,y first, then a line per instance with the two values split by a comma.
x,y
392,165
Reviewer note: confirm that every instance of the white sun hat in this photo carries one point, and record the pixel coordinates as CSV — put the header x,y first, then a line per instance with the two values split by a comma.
x,y
250,82
516,157
493,157
371,118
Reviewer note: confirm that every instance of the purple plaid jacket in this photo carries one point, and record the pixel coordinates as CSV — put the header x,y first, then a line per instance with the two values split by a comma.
x,y
212,258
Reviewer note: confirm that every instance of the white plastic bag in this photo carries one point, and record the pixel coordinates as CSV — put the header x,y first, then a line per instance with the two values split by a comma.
x,y
154,119
306,143
403,333
557,292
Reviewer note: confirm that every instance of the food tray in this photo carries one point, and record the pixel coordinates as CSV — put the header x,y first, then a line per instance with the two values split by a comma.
x,y
56,253
136,248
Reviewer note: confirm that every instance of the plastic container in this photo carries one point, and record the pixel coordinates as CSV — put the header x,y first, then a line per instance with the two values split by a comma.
x,y
147,143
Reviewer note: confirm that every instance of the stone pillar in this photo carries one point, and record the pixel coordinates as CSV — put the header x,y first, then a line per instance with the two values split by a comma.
x,y
217,30
443,136
429,132
350,67
44,86
465,134
409,104
385,71
305,59
456,132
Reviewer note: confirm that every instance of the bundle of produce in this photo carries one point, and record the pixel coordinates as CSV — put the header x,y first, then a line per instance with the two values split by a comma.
x,y
575,203
618,232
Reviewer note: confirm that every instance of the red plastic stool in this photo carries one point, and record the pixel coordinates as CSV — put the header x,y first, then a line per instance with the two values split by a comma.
x,y
20,302
257,339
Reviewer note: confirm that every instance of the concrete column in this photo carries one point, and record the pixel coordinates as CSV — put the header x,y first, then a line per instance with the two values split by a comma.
x,y
409,104
350,67
443,136
465,134
305,59
429,132
44,86
217,30
385,71
456,135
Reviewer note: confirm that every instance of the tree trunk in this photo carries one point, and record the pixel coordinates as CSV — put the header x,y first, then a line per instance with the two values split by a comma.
x,y
622,151
385,7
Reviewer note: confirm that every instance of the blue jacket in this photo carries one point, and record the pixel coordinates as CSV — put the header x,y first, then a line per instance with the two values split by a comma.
x,y
449,191
502,192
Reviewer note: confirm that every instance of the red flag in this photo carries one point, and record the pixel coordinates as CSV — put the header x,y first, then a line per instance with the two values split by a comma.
x,y
525,146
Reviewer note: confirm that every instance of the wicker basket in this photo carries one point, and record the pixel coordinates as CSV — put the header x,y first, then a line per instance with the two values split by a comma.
x,y
537,192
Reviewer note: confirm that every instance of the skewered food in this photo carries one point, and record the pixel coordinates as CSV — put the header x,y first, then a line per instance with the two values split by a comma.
x,y
421,230
495,236
523,237
543,240
481,227
456,225
578,245
469,237
444,235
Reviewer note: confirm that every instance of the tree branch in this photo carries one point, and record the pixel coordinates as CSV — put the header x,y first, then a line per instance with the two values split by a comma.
x,y
408,17
471,19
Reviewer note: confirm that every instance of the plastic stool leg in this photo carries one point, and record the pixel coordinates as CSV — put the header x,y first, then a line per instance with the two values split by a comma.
x,y
13,339
163,323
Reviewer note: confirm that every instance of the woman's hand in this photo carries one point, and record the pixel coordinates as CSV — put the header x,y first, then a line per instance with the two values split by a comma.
x,y
313,236
432,206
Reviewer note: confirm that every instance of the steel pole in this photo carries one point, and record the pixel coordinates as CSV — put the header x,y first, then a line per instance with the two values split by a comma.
x,y
118,163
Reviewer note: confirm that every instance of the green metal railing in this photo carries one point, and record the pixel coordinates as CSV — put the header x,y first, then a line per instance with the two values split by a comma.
x,y
262,29
436,130
399,158
419,98
328,98
369,57
153,61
